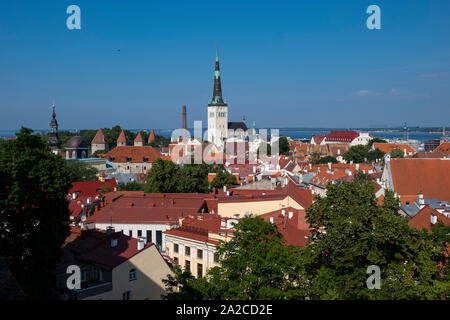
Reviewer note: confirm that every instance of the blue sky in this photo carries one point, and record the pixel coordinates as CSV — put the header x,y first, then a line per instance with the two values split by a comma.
x,y
284,63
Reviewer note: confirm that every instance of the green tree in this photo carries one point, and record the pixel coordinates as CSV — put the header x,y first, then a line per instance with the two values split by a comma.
x,y
130,186
96,153
80,171
375,154
360,233
315,158
397,153
193,178
326,160
375,140
268,149
34,214
254,264
162,177
357,154
223,178
283,146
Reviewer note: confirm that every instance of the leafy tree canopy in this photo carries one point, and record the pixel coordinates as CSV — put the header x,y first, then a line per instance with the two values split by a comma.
x,y
397,153
375,140
34,214
80,171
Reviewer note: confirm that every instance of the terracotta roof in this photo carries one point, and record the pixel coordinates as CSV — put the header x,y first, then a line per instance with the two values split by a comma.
x,y
344,136
133,154
443,148
431,176
295,229
148,208
122,138
99,137
423,218
318,138
151,137
389,147
139,138
198,229
94,246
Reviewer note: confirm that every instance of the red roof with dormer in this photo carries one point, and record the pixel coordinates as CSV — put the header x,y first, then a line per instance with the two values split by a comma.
x,y
342,136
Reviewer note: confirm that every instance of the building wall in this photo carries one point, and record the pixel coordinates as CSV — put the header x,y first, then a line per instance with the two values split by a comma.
x,y
217,124
362,139
208,250
98,146
151,269
124,167
229,209
126,228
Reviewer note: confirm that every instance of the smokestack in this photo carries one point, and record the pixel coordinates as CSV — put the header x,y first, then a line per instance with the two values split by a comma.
x,y
184,117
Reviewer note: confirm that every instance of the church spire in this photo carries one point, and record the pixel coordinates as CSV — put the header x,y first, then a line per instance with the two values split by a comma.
x,y
53,140
217,92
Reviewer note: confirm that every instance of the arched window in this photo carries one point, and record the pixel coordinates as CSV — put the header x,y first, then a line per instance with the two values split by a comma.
x,y
132,274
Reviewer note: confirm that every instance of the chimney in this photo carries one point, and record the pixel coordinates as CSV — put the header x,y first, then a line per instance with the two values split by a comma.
x,y
357,167
329,166
228,193
140,244
421,199
310,166
224,188
405,153
184,117
433,219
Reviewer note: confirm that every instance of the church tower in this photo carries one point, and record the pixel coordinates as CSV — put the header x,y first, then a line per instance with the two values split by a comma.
x,y
53,140
217,110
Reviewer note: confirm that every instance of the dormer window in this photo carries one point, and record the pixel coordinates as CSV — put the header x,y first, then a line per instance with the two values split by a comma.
x,y
128,159
144,159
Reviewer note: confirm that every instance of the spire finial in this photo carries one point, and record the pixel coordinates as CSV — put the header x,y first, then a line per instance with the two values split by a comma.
x,y
217,52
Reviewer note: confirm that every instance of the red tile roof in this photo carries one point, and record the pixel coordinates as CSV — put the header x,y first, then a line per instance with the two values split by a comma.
x,y
151,137
389,147
133,154
443,148
139,138
99,137
122,138
295,230
422,220
344,136
148,208
94,246
431,176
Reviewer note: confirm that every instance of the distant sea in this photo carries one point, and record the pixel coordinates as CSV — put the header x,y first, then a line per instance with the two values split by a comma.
x,y
294,133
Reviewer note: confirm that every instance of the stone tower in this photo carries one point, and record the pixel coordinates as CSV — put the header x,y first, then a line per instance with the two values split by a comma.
x,y
53,140
217,110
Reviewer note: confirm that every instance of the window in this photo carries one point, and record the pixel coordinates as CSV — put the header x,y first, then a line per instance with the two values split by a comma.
x,y
199,254
132,275
130,233
126,295
139,233
187,265
216,257
175,247
149,235
159,239
187,251
199,270
176,260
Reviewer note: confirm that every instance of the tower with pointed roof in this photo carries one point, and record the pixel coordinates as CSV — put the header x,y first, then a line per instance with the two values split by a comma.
x,y
99,142
53,140
139,141
217,110
122,140
151,137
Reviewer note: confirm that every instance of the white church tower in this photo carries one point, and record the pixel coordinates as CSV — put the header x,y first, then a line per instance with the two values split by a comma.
x,y
217,111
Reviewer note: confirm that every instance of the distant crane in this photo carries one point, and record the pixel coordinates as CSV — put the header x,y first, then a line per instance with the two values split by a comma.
x,y
443,132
